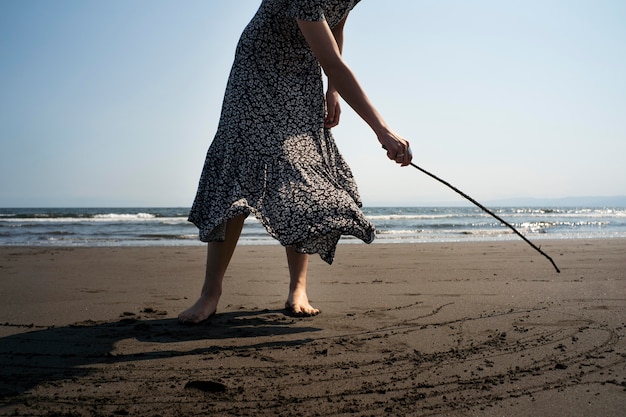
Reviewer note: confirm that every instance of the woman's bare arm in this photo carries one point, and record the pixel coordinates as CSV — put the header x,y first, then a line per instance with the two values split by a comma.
x,y
333,107
322,42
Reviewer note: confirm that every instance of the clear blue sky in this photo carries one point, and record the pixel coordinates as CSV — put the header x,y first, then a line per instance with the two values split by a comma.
x,y
114,103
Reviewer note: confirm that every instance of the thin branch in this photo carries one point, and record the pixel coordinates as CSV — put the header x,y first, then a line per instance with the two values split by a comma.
x,y
489,212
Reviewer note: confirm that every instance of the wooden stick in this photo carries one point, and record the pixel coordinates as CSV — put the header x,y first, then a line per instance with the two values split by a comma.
x,y
489,212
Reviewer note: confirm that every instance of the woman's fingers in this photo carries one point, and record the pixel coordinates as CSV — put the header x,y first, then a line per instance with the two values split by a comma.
x,y
331,120
404,156
333,111
399,151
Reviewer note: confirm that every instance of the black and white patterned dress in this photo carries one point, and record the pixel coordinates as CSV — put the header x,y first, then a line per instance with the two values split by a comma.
x,y
271,155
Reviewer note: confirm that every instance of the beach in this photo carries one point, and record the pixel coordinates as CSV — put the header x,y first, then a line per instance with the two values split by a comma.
x,y
428,329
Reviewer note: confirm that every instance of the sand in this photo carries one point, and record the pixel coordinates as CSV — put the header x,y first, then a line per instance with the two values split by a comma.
x,y
458,329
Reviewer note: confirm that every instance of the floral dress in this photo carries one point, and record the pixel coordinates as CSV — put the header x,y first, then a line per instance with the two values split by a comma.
x,y
271,155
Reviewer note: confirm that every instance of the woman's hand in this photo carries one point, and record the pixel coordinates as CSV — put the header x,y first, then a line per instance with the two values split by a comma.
x,y
398,148
323,42
333,109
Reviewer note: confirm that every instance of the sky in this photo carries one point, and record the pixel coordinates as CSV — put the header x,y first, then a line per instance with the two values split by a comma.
x,y
115,102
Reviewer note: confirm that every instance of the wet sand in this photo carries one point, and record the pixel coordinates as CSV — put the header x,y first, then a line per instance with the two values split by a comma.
x,y
458,329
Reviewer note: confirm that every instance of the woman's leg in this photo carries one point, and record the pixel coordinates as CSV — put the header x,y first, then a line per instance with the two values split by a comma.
x,y
217,260
297,301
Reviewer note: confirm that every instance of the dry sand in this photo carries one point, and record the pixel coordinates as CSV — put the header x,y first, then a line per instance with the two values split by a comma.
x,y
467,329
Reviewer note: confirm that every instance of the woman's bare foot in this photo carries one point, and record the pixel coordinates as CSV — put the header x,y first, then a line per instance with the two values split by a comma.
x,y
217,258
297,302
202,309
298,305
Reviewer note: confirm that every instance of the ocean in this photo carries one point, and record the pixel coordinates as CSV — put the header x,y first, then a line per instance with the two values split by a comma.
x,y
169,226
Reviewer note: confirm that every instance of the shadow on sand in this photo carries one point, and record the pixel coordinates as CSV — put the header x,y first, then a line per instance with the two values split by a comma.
x,y
31,358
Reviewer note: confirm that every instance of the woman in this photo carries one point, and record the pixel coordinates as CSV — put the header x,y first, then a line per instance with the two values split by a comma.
x,y
273,154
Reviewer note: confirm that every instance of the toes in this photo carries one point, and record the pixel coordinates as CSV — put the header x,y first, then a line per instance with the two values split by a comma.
x,y
301,311
187,320
310,311
193,318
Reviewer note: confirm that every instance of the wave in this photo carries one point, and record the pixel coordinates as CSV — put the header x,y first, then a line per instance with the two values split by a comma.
x,y
169,226
102,218
126,216
380,217
91,213
160,236
398,232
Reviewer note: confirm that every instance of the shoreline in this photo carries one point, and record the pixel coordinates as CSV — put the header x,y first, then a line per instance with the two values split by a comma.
x,y
455,329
